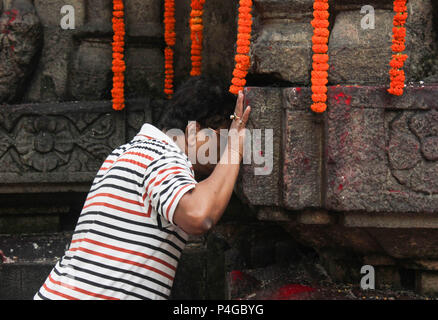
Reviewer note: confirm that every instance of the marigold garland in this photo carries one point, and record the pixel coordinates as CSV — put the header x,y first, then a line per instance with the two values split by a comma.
x,y
242,58
196,35
397,73
169,38
320,64
118,66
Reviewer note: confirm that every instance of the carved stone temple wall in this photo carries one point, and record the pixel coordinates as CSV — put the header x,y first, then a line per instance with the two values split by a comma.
x,y
358,184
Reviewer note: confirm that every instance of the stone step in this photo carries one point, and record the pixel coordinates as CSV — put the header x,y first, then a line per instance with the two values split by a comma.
x,y
27,260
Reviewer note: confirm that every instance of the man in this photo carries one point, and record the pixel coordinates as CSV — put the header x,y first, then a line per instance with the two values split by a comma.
x,y
145,200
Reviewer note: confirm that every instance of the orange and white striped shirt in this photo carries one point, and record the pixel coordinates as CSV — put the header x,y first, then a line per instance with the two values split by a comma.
x,y
126,245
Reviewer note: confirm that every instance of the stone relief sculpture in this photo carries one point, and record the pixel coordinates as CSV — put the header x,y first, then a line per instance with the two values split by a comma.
x,y
20,42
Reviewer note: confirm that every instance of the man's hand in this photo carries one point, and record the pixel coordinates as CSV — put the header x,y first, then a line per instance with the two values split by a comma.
x,y
237,128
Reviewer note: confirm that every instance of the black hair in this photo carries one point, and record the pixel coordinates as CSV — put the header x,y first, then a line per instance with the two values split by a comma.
x,y
203,99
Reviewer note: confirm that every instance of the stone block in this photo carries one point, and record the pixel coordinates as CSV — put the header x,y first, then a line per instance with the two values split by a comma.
x,y
20,42
190,278
14,224
91,74
392,221
49,11
50,81
283,51
334,236
144,77
259,184
273,214
99,16
302,163
60,146
319,217
427,282
282,40
379,154
357,55
409,243
361,56
143,18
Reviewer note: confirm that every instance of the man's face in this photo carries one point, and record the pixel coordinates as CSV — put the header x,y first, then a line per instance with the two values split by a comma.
x,y
207,144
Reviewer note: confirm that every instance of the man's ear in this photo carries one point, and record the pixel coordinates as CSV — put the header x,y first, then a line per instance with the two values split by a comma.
x,y
192,130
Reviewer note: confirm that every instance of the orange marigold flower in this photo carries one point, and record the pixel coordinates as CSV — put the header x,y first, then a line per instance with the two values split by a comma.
x,y
243,46
320,67
319,107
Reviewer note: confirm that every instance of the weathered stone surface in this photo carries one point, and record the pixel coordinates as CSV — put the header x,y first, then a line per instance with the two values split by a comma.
x,y
334,237
361,56
50,81
20,41
427,282
281,47
144,77
393,220
143,18
273,214
314,217
61,143
357,55
49,11
99,15
284,9
408,243
283,50
371,160
302,163
259,184
219,44
91,75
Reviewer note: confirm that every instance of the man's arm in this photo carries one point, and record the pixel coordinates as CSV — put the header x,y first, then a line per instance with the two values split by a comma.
x,y
201,208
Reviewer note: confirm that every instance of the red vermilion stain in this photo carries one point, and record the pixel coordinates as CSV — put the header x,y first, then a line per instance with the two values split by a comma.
x,y
236,275
340,187
290,291
345,98
298,90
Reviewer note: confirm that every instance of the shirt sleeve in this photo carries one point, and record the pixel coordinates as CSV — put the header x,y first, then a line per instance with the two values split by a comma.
x,y
167,179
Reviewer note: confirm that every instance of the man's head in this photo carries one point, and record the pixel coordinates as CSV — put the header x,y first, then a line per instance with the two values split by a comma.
x,y
199,108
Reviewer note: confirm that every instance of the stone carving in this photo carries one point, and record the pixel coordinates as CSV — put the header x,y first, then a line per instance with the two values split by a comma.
x,y
60,146
45,143
413,150
20,41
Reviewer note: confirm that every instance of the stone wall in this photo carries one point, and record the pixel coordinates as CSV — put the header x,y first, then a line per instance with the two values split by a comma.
x,y
360,180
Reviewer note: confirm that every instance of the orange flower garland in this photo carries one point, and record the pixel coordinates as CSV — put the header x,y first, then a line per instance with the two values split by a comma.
x,y
320,65
196,35
169,38
118,93
243,46
398,46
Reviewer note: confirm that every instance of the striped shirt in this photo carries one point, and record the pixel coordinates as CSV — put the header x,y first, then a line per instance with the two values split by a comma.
x,y
126,244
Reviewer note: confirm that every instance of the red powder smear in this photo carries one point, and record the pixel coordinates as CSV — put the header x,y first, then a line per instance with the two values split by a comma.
x,y
340,187
291,291
236,275
347,99
298,90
